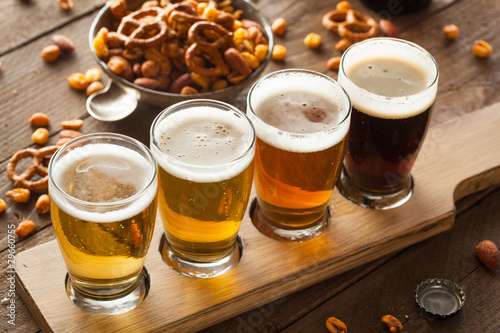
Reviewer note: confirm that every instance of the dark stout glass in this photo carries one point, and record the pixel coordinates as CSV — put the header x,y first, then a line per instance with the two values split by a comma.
x,y
392,85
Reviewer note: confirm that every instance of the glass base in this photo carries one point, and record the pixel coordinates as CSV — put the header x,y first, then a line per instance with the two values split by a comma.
x,y
200,269
271,230
375,200
110,305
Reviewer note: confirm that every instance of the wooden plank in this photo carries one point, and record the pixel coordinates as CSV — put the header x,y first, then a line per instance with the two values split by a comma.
x,y
37,17
356,236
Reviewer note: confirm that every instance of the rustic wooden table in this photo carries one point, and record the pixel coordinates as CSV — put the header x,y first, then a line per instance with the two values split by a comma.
x,y
358,297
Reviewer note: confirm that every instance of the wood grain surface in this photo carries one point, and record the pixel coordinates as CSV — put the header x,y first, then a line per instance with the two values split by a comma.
x,y
467,84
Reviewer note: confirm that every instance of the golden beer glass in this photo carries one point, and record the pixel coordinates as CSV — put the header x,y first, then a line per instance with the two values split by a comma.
x,y
301,120
103,190
392,85
205,151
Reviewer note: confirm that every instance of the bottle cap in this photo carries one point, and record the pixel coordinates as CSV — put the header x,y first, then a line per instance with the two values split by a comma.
x,y
439,298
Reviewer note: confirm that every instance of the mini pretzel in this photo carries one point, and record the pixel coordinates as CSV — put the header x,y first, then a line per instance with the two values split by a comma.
x,y
135,28
36,167
211,34
351,24
209,53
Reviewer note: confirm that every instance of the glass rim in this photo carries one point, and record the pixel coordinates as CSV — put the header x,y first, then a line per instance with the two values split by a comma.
x,y
177,107
151,160
423,51
334,128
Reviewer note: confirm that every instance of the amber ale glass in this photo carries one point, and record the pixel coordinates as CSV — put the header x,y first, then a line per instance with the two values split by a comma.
x,y
392,85
301,119
205,153
103,207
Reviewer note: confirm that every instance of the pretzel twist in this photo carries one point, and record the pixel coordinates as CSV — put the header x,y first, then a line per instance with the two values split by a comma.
x,y
134,28
209,53
351,24
36,167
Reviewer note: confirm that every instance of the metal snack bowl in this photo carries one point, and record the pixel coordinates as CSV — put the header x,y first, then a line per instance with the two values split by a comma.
x,y
121,97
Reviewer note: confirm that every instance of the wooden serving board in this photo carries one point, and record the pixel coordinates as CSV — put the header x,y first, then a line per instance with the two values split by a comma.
x,y
458,158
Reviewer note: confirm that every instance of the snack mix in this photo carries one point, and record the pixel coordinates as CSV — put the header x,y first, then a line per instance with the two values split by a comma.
x,y
185,47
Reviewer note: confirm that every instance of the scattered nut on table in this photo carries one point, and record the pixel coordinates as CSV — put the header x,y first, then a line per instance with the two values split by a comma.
x,y
279,52
3,205
78,81
25,228
42,205
335,325
20,195
487,253
313,40
40,136
65,4
94,87
482,49
74,124
51,53
388,28
450,31
63,42
279,26
333,63
393,324
39,119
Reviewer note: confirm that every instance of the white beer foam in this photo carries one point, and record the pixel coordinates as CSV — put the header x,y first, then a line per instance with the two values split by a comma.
x,y
142,174
382,106
205,144
317,88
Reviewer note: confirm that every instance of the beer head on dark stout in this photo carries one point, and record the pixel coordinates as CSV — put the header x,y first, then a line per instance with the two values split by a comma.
x,y
392,86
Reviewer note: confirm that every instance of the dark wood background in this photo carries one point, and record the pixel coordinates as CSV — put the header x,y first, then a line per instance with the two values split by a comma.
x,y
359,297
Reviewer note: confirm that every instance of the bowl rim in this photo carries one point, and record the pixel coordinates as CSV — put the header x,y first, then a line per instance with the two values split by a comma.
x,y
96,25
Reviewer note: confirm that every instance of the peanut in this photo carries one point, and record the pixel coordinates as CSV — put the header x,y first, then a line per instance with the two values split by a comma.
x,y
78,81
279,26
392,323
343,6
482,49
313,40
343,44
40,135
93,74
62,141
335,326
333,63
94,87
39,119
450,31
150,68
69,133
42,205
51,53
65,4
3,205
25,228
388,29
64,43
279,52
20,195
73,124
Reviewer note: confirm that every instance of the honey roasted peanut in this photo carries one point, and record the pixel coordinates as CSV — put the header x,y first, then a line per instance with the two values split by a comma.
x,y
393,324
279,26
3,205
69,133
39,119
333,63
94,87
73,124
450,31
482,49
25,228
335,325
51,53
20,195
40,135
78,81
42,205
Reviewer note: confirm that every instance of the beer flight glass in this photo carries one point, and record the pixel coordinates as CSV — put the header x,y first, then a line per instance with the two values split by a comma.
x,y
301,120
205,151
103,190
392,84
